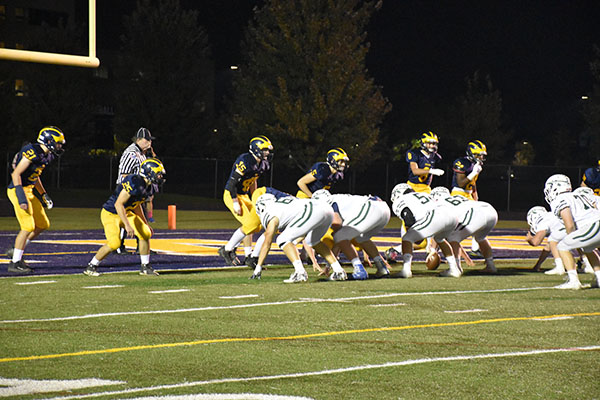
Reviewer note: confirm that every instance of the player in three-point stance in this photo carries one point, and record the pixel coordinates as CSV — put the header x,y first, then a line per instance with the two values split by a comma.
x,y
25,178
124,210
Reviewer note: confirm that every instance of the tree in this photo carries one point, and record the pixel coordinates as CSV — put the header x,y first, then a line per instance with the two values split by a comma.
x,y
165,77
480,117
303,81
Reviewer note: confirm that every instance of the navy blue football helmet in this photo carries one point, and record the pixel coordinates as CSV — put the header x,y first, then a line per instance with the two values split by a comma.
x,y
53,138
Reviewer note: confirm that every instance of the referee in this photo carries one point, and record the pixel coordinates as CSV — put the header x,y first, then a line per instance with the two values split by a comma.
x,y
130,163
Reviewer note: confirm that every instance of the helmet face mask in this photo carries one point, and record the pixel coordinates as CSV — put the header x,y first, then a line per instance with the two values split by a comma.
x,y
261,148
476,151
429,142
556,185
154,170
400,190
338,159
534,216
53,138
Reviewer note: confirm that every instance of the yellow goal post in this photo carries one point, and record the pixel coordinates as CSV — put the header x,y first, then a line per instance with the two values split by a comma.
x,y
91,61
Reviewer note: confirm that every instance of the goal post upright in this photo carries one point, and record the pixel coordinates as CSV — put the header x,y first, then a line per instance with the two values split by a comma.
x,y
91,61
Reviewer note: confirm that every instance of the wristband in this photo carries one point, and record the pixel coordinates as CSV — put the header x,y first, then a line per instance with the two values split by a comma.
x,y
471,176
20,194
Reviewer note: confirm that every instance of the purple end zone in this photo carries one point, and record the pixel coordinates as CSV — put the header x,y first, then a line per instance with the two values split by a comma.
x,y
69,258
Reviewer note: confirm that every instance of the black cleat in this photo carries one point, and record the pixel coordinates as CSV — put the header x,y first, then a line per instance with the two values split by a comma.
x,y
146,269
19,267
251,262
229,256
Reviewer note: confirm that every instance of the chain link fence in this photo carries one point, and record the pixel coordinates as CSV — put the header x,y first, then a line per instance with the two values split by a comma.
x,y
508,188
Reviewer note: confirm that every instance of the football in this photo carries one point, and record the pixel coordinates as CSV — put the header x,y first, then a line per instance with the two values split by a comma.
x,y
433,260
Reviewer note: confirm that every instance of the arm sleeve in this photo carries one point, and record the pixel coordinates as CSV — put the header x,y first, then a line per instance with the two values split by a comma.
x,y
232,183
408,217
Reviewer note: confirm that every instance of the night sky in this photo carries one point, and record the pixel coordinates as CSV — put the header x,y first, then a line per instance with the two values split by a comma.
x,y
537,53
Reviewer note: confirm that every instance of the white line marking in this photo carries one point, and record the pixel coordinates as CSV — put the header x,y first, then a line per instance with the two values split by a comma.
x,y
19,387
388,305
103,287
466,311
552,318
33,283
225,396
276,303
334,371
169,291
241,296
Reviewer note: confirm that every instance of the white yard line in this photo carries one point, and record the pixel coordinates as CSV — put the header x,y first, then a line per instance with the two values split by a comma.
x,y
169,291
275,303
33,283
333,371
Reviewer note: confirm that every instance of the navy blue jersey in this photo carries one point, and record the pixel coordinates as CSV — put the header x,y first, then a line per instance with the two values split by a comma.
x,y
325,179
465,166
591,178
246,170
139,191
424,162
34,153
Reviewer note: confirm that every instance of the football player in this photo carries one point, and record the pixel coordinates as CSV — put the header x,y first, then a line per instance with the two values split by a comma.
x,y
582,223
29,165
361,217
123,209
466,171
240,186
476,218
423,218
295,219
422,161
591,179
322,175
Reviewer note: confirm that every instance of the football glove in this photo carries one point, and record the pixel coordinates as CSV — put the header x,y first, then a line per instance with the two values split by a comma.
x,y
436,171
48,203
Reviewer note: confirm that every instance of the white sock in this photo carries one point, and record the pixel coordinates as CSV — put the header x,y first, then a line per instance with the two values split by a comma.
x,y
258,246
474,245
572,274
257,269
235,239
145,259
451,260
17,255
407,258
585,261
558,263
337,267
597,274
95,262
247,251
299,267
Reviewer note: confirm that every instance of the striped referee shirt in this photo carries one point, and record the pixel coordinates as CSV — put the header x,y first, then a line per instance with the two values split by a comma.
x,y
130,162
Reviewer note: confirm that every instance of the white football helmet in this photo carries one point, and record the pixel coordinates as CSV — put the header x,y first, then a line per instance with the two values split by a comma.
x,y
399,190
322,195
263,202
534,216
556,185
439,193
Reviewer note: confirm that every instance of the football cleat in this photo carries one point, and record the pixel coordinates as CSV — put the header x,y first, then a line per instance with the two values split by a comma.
x,y
297,277
229,256
451,273
570,284
146,269
251,262
475,254
91,270
338,276
19,267
382,270
360,274
490,269
405,273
